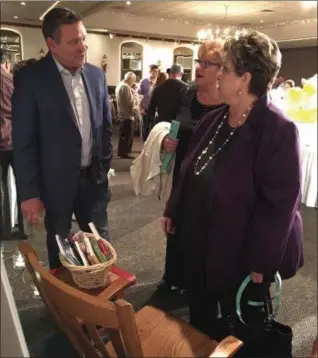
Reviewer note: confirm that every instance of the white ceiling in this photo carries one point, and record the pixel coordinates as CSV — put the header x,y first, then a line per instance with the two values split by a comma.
x,y
13,11
193,12
289,22
205,12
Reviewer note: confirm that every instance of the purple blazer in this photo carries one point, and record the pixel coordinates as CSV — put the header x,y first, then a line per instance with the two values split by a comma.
x,y
255,197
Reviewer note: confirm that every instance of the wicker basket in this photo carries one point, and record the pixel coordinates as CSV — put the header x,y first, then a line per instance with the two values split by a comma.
x,y
94,276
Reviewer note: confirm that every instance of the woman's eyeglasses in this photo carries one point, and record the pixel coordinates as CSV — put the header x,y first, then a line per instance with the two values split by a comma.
x,y
207,64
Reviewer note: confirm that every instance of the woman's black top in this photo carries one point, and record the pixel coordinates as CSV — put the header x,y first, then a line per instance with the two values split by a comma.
x,y
198,111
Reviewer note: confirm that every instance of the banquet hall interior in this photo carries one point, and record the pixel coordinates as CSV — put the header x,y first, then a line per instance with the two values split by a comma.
x,y
130,36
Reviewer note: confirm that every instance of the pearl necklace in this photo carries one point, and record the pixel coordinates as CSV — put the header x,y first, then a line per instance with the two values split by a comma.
x,y
197,170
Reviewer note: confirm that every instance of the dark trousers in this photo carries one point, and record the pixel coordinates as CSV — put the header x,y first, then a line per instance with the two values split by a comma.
x,y
146,123
174,275
6,160
126,137
90,205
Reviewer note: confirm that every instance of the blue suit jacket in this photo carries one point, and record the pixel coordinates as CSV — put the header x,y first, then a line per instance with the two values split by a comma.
x,y
46,139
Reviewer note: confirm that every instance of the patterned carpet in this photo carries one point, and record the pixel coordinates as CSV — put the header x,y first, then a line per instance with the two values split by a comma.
x,y
137,238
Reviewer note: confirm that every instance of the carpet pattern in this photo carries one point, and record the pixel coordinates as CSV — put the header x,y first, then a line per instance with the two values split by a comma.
x,y
137,237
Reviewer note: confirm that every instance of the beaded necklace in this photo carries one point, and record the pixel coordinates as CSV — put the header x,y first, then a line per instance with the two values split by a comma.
x,y
197,169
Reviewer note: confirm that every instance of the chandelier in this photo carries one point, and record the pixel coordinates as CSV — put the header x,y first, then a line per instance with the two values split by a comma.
x,y
218,32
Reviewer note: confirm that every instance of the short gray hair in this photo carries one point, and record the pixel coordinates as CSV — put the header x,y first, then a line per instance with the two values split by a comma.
x,y
176,69
257,54
129,75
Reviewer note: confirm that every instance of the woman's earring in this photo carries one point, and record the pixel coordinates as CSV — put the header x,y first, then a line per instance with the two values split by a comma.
x,y
239,92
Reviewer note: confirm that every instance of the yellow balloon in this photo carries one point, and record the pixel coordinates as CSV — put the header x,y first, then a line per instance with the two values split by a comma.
x,y
309,89
302,115
295,95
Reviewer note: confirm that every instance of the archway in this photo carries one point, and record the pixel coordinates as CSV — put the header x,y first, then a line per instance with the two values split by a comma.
x,y
184,57
131,54
11,42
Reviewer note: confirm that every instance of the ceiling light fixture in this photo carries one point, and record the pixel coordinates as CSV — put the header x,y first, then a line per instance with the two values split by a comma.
x,y
261,21
23,3
49,9
220,33
309,3
15,17
128,3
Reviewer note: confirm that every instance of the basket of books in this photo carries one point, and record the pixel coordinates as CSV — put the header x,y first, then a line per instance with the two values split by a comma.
x,y
88,257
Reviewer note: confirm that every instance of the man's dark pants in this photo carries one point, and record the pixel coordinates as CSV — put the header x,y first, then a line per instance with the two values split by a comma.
x,y
146,123
126,137
90,205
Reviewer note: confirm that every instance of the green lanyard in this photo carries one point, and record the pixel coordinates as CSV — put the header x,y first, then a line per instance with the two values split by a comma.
x,y
275,299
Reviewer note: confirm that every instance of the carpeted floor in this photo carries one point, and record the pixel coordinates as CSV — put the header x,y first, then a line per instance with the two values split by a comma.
x,y
140,244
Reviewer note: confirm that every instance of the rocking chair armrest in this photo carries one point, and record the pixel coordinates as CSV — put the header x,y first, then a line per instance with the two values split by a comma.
x,y
227,347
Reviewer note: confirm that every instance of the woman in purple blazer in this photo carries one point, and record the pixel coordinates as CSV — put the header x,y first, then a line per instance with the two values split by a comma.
x,y
236,206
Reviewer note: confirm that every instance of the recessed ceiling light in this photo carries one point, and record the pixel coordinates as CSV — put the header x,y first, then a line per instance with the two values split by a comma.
x,y
128,3
15,17
261,20
23,3
161,19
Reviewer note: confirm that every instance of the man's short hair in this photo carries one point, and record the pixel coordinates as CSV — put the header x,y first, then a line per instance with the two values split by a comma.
x,y
4,56
154,67
176,69
129,75
55,18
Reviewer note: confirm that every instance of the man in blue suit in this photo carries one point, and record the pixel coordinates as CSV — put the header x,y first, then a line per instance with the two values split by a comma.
x,y
62,133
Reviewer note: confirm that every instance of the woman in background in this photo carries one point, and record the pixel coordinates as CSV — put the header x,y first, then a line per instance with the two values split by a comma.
x,y
162,77
236,207
200,99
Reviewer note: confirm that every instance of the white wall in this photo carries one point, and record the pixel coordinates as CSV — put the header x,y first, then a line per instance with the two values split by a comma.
x,y
100,45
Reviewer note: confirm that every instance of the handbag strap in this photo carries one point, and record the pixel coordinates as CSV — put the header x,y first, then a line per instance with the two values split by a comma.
x,y
275,299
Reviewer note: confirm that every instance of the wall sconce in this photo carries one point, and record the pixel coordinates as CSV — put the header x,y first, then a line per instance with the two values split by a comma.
x,y
104,63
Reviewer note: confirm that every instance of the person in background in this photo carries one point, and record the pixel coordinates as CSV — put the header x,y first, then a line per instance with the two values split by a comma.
x,y
236,208
144,90
61,131
288,84
6,153
126,103
278,81
161,78
17,66
166,98
198,100
137,115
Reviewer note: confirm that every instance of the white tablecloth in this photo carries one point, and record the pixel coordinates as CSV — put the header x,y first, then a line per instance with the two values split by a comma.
x,y
309,176
308,156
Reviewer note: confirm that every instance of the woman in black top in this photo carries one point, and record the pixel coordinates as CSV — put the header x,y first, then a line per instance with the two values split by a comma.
x,y
201,98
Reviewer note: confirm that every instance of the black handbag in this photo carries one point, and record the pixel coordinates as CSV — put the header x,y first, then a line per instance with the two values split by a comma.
x,y
254,321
